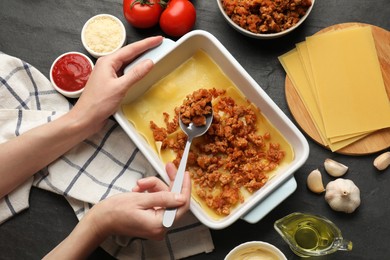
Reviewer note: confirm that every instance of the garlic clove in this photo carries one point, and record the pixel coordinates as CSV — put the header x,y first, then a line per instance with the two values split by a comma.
x,y
334,168
342,195
314,181
382,161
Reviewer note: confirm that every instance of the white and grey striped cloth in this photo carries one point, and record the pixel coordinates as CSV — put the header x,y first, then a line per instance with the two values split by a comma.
x,y
105,164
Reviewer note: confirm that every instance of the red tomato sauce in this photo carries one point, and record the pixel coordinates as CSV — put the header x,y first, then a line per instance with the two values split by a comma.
x,y
71,72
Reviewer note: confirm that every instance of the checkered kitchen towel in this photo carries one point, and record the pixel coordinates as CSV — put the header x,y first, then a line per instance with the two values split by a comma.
x,y
105,164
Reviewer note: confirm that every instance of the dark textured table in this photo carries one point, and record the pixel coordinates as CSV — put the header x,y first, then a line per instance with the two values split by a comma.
x,y
38,31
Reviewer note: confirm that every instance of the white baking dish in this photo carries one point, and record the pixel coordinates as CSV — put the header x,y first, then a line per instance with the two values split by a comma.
x,y
167,57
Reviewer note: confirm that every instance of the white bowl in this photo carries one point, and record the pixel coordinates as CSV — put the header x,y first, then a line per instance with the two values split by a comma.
x,y
264,35
255,250
169,56
70,94
103,35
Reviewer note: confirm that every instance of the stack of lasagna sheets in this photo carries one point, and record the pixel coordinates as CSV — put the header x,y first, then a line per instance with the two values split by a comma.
x,y
338,77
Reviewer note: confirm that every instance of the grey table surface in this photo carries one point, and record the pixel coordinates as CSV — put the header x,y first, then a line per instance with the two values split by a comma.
x,y
37,31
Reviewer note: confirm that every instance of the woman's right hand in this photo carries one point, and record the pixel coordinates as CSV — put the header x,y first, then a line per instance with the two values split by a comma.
x,y
135,214
140,213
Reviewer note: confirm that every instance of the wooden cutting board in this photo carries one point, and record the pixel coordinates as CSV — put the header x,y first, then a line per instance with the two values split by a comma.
x,y
372,143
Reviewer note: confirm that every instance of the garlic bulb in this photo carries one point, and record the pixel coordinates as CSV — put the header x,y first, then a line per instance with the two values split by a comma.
x,y
314,182
342,195
334,168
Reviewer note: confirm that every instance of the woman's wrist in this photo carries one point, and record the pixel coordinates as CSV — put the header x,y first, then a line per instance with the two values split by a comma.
x,y
80,125
99,220
82,241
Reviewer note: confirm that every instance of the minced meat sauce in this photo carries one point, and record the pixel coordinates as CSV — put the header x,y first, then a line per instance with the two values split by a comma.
x,y
266,16
196,107
230,157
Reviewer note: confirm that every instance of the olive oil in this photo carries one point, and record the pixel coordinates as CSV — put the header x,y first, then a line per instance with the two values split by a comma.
x,y
311,235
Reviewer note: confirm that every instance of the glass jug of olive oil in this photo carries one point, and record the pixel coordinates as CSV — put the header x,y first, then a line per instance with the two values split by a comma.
x,y
311,235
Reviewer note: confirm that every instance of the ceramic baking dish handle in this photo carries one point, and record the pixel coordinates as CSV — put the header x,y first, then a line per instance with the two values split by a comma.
x,y
269,203
154,54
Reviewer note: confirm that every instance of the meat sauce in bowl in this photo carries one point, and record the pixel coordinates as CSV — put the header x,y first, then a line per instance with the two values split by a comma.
x,y
265,19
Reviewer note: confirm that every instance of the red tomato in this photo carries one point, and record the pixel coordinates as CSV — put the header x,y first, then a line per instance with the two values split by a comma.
x,y
178,18
142,13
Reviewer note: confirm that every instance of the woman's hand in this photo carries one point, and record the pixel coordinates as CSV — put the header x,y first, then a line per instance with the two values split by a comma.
x,y
106,86
140,213
136,214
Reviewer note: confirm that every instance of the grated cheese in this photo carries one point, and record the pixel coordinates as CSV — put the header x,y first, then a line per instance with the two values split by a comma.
x,y
103,34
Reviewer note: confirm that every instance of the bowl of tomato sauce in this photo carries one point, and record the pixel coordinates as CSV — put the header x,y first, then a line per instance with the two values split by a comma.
x,y
69,73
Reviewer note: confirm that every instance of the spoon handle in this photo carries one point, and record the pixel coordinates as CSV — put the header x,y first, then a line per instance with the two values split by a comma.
x,y
169,214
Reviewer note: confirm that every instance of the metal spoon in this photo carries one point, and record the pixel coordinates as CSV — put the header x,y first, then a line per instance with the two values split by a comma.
x,y
191,131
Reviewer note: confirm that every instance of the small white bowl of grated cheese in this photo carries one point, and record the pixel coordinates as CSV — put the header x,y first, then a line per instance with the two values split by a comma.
x,y
103,34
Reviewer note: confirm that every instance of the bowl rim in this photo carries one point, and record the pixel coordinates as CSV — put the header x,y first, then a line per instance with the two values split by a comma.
x,y
70,94
259,244
101,54
259,35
